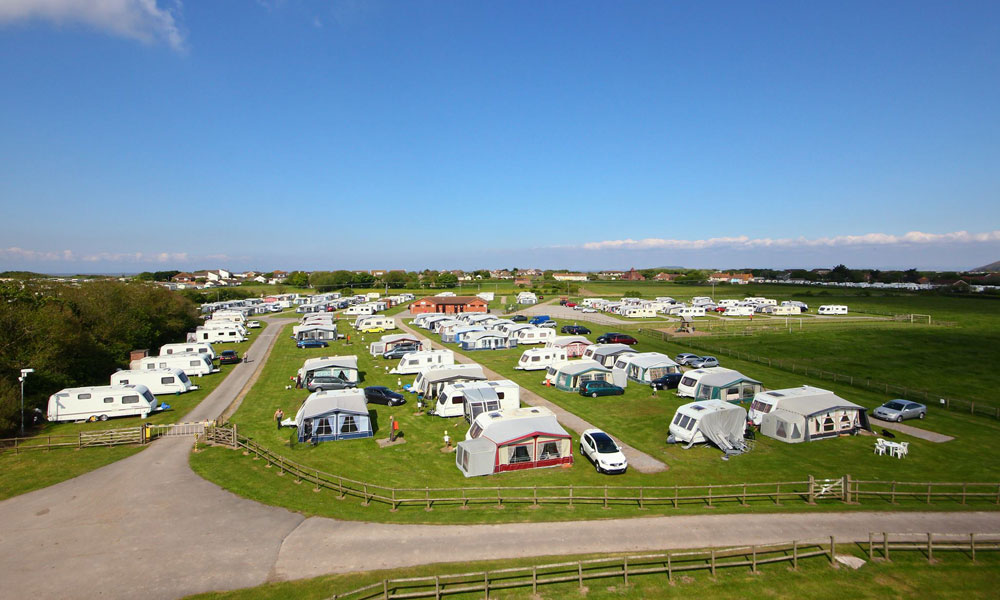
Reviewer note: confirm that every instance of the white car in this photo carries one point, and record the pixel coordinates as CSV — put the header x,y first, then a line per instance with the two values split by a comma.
x,y
590,310
603,451
253,324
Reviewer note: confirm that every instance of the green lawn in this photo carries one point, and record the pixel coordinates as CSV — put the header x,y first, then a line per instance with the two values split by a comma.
x,y
35,469
907,576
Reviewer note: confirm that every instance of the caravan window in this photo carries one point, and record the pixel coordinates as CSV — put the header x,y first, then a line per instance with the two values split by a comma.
x,y
166,380
796,434
83,396
109,400
686,422
521,454
323,427
475,431
828,423
123,382
687,381
536,358
500,395
130,399
195,363
457,399
549,450
349,425
759,406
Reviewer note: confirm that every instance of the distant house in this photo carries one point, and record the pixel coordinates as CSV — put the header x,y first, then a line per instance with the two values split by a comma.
x,y
611,274
667,276
449,305
569,276
527,298
634,275
522,281
183,278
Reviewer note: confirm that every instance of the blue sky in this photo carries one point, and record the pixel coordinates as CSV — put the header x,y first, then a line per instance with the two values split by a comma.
x,y
321,135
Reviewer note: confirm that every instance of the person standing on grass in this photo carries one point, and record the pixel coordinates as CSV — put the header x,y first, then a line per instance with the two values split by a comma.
x,y
278,416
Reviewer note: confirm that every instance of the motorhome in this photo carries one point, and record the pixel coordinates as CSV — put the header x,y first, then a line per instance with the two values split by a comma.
x,y
832,309
501,394
416,362
194,364
710,421
157,381
536,359
188,348
101,403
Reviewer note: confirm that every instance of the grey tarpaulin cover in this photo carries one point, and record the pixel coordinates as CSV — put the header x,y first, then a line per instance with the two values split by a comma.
x,y
725,428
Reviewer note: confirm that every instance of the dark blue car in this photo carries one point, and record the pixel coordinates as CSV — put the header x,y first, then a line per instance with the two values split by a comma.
x,y
666,382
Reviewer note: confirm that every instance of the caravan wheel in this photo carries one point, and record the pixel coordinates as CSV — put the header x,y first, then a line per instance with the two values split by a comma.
x,y
103,417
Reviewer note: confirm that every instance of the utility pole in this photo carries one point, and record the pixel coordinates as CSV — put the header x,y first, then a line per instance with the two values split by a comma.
x,y
24,375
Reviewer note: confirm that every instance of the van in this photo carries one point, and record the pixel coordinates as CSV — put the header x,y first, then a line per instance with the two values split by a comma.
x,y
539,319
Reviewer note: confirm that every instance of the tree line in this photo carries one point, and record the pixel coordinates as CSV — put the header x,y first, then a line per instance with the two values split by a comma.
x,y
78,335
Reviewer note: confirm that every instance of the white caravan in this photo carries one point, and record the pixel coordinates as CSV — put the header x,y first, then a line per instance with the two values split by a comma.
x,y
715,421
415,362
765,402
101,403
701,300
218,336
158,381
785,310
365,324
500,394
191,363
832,309
429,382
534,335
229,315
188,348
639,312
690,311
537,359
689,382
360,309
738,311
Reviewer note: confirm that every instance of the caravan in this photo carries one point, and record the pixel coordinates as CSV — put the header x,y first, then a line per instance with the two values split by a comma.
x,y
158,381
806,414
574,345
647,366
430,381
689,383
456,399
540,358
523,438
374,323
486,340
710,421
416,362
832,309
344,367
187,348
216,335
101,403
534,335
192,363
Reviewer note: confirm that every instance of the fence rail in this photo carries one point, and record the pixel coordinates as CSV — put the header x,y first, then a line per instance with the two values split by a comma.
x,y
123,436
671,563
925,396
809,491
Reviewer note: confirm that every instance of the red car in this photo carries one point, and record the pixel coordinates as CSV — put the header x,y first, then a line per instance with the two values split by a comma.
x,y
571,304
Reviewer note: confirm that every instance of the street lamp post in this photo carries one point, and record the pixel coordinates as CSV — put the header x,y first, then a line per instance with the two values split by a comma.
x,y
24,375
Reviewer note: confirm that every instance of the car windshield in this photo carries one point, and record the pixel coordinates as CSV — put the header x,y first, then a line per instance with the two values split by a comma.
x,y
604,443
894,405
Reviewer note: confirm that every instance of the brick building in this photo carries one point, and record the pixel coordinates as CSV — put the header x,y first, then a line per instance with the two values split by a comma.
x,y
449,304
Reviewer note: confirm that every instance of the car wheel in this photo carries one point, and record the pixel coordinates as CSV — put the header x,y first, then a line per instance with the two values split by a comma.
x,y
899,419
319,389
921,415
103,417
593,395
597,466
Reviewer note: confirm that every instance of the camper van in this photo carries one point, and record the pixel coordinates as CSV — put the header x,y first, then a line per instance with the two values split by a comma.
x,y
192,363
537,359
454,398
158,381
832,309
101,403
186,348
416,362
689,383
710,421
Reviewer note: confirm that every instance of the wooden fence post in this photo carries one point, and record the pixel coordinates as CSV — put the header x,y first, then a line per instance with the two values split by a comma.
x,y
871,552
534,580
753,563
930,547
437,587
486,585
845,494
812,490
795,554
713,562
833,545
885,546
625,569
972,545
385,589
579,572
571,495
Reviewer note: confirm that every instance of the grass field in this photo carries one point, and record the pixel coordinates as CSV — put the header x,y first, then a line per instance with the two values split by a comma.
x,y
906,576
638,418
31,470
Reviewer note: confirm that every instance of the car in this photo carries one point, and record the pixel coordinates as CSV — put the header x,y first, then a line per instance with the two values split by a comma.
x,y
617,338
571,304
400,351
229,357
518,318
275,308
600,388
603,451
703,362
549,324
899,409
684,357
575,329
253,324
312,344
374,330
666,382
379,394
328,382
589,310
562,303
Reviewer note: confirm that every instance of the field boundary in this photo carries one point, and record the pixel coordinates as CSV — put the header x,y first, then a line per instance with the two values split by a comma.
x,y
810,491
105,438
926,396
669,562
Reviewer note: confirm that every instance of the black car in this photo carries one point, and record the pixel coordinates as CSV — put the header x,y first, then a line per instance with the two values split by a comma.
x,y
328,382
667,382
229,357
617,338
518,318
378,394
400,350
575,329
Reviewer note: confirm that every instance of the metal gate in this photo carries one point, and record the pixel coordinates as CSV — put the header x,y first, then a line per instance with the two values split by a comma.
x,y
194,429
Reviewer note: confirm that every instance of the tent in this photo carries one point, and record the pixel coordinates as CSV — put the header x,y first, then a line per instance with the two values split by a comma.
x,y
813,417
647,366
710,421
486,340
575,345
606,354
317,331
390,341
524,438
569,375
731,386
333,415
345,367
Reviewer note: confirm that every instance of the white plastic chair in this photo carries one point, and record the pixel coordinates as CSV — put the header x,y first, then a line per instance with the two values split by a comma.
x,y
880,447
902,449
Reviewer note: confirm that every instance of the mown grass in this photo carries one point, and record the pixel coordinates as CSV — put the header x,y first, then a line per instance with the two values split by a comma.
x,y
908,575
35,469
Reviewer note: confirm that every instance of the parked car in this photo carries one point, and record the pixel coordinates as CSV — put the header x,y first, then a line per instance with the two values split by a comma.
x,y
549,324
666,382
400,350
571,304
602,451
328,382
899,410
617,338
378,394
684,357
703,362
229,357
518,318
600,388
589,310
312,344
575,329
253,324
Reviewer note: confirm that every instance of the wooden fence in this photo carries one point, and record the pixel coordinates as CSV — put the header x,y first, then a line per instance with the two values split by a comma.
x,y
809,491
85,439
670,563
929,398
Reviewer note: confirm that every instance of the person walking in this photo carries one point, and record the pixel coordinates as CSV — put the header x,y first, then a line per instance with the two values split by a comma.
x,y
279,415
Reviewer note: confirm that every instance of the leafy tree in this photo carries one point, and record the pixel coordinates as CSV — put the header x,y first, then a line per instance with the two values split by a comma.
x,y
297,279
448,280
395,279
363,279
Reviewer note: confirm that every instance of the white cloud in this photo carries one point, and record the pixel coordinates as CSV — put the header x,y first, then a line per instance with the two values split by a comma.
x,y
744,242
34,255
141,20
16,253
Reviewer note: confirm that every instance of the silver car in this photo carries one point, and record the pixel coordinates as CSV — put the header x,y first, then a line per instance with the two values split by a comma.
x,y
703,362
899,410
